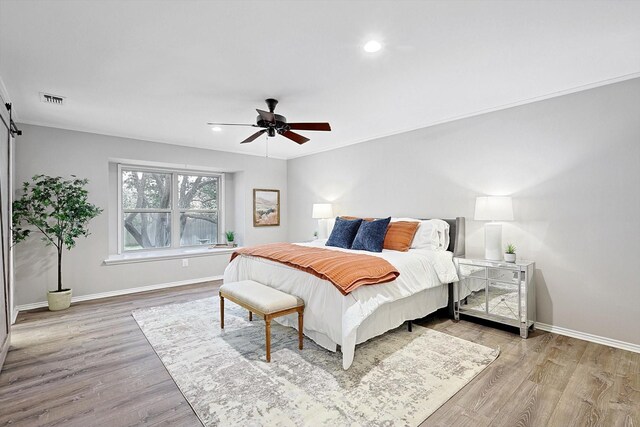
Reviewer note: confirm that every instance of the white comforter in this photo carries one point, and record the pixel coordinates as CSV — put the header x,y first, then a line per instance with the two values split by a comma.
x,y
331,318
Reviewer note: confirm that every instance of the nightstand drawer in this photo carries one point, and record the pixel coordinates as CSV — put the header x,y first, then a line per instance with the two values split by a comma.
x,y
472,271
504,275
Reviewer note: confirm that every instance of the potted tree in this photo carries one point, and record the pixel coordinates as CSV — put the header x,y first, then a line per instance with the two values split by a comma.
x,y
58,209
231,237
510,253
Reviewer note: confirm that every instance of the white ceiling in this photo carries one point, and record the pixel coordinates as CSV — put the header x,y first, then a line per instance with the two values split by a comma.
x,y
160,70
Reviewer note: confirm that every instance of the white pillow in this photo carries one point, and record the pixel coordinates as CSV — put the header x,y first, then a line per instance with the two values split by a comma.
x,y
431,234
443,229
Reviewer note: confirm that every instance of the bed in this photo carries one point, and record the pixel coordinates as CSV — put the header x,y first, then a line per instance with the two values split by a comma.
x,y
333,319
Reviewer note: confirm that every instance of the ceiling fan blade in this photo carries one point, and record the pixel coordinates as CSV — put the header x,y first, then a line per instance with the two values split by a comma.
x,y
254,136
295,137
231,124
310,126
267,116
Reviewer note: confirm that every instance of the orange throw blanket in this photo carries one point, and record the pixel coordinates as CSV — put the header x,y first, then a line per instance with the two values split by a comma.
x,y
346,271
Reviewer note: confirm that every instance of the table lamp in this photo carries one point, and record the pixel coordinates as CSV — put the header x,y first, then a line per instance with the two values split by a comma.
x,y
322,212
493,208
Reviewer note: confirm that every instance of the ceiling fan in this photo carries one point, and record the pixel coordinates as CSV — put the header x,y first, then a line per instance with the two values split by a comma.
x,y
273,124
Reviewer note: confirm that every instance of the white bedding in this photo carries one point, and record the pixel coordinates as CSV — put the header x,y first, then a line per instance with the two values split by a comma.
x,y
331,318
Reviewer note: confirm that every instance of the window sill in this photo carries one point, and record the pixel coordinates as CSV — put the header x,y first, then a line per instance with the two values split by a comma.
x,y
161,255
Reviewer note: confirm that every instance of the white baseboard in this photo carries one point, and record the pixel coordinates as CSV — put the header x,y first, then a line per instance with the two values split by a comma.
x,y
589,337
120,292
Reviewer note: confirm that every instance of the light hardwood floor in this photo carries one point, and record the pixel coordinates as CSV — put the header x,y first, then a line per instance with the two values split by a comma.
x,y
92,366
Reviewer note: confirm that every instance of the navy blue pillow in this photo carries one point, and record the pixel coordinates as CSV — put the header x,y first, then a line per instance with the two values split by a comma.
x,y
344,231
370,236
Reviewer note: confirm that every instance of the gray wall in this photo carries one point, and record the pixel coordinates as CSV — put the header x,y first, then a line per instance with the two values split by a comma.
x,y
62,152
572,165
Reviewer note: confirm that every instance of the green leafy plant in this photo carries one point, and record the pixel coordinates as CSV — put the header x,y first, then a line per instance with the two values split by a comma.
x,y
56,208
231,236
510,249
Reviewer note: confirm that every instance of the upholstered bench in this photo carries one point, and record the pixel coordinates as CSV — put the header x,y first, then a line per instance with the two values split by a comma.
x,y
264,301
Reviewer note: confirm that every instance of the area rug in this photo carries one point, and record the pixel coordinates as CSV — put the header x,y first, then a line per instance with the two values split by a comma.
x,y
397,379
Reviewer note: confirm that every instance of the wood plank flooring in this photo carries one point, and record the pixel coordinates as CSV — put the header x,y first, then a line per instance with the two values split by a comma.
x,y
92,366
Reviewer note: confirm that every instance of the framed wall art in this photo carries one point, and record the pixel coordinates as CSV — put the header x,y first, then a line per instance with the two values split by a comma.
x,y
266,207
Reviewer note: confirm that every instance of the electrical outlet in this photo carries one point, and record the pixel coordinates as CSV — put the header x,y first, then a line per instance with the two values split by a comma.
x,y
185,262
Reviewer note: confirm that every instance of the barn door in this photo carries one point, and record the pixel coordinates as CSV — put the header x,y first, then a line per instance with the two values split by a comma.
x,y
5,209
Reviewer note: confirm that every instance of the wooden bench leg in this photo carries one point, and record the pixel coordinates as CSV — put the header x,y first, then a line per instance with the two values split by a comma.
x,y
250,316
300,327
267,321
221,312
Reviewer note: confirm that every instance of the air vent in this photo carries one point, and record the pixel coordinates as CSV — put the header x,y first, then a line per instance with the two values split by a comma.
x,y
48,98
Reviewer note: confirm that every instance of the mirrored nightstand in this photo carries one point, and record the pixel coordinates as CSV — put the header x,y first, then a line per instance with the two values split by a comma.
x,y
497,291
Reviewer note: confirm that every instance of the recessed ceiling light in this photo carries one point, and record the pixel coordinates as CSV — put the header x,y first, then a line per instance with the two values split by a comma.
x,y
372,46
216,128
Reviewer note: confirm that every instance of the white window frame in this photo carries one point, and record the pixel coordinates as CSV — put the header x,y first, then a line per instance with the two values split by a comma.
x,y
175,210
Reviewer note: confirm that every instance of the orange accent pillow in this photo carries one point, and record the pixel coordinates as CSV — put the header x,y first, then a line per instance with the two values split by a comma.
x,y
400,235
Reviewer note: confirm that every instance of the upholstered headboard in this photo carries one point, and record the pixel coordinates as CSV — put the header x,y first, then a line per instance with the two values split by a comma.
x,y
457,246
456,236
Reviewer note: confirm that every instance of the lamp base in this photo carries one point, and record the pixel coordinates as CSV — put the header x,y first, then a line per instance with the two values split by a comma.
x,y
493,241
322,229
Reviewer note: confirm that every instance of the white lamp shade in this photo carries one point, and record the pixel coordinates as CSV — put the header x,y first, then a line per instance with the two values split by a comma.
x,y
322,211
494,208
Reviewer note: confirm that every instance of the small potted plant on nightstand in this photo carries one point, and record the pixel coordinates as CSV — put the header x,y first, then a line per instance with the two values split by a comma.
x,y
510,253
231,237
58,209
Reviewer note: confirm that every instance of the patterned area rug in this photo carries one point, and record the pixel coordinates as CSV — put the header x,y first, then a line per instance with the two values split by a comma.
x,y
397,379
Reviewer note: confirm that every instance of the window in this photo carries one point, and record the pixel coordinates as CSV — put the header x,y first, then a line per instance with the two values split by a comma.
x,y
168,209
198,202
146,209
